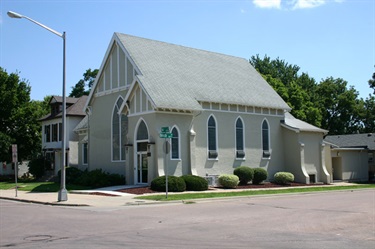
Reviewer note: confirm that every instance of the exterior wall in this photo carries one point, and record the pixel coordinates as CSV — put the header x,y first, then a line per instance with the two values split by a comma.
x,y
293,158
71,123
328,161
314,162
227,161
304,156
100,134
353,163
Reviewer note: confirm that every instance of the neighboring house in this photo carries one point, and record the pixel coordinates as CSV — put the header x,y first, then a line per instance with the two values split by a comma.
x,y
219,110
352,157
52,130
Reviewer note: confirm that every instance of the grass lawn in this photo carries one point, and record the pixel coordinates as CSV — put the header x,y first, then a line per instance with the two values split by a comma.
x,y
229,193
39,186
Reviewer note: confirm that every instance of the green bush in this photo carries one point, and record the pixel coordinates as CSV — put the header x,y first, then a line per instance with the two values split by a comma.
x,y
175,184
72,174
38,166
195,183
260,175
244,173
98,178
228,181
283,177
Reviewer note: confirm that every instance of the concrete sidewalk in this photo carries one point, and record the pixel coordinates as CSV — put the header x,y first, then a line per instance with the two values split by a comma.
x,y
103,197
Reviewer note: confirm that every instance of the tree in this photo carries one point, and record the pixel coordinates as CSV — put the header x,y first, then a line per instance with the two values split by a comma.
x,y
80,88
368,114
298,91
371,82
18,117
340,106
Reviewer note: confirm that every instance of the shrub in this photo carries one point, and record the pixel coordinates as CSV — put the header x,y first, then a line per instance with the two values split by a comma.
x,y
228,181
195,183
38,166
260,175
98,178
283,177
244,173
175,184
72,175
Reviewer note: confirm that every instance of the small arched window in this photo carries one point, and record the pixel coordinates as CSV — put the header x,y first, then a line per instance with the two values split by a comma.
x,y
175,144
240,148
266,139
212,138
142,133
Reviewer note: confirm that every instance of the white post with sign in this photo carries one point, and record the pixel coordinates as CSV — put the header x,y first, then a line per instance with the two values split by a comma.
x,y
15,161
166,147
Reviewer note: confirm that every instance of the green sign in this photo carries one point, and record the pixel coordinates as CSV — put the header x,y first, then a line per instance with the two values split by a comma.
x,y
165,129
165,135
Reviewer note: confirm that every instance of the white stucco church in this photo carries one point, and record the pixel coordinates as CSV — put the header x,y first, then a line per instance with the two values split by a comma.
x,y
219,110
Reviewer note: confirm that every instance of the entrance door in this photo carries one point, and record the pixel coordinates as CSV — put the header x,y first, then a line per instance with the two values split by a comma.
x,y
142,165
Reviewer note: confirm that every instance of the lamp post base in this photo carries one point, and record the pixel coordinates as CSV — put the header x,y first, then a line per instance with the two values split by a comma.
x,y
63,195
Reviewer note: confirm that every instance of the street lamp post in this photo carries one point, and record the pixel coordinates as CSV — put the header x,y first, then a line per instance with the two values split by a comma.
x,y
63,193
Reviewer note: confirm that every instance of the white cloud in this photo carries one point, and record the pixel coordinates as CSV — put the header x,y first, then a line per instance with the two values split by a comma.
x,y
292,4
267,3
306,4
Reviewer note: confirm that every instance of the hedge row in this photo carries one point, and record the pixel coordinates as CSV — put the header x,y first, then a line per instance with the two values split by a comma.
x,y
180,184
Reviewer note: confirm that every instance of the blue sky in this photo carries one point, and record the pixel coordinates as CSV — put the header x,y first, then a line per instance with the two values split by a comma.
x,y
323,37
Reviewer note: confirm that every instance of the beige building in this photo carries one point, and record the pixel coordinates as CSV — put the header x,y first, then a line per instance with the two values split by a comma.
x,y
352,157
215,110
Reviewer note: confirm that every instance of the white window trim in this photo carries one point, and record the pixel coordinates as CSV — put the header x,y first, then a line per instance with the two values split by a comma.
x,y
216,138
83,154
120,142
243,138
269,138
179,144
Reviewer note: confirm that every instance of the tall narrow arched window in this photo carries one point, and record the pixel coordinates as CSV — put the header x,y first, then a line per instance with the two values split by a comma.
x,y
240,150
212,138
119,130
175,144
266,139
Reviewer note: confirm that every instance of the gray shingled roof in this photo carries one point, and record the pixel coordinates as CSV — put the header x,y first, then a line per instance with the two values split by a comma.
x,y
179,77
294,123
352,141
76,108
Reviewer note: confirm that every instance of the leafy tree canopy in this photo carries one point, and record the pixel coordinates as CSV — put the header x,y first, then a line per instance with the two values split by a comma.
x,y
329,104
84,85
18,117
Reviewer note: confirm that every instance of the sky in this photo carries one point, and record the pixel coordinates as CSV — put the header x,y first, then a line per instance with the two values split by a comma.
x,y
325,38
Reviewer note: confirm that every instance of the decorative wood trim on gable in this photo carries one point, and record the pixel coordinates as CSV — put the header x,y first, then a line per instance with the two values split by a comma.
x,y
116,73
222,107
138,102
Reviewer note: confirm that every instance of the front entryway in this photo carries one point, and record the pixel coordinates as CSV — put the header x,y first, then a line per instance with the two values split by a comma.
x,y
142,164
141,149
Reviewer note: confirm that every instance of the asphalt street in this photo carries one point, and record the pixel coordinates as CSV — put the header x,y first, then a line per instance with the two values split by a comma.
x,y
336,219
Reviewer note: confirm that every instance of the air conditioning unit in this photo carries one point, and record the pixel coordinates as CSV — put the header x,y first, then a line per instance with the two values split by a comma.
x,y
212,180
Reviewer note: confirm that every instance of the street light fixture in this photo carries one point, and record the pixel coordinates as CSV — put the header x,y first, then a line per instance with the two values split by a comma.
x,y
63,193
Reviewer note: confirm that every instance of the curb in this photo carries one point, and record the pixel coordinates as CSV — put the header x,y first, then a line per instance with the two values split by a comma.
x,y
43,203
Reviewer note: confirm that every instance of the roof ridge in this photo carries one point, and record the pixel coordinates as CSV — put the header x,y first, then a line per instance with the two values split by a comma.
x,y
182,46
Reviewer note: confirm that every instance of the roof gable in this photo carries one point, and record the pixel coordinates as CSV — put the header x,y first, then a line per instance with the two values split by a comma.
x,y
75,107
